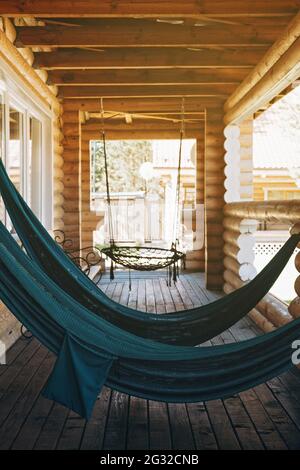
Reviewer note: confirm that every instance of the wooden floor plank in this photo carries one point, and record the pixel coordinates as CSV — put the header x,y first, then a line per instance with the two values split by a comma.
x,y
158,417
202,430
16,388
12,425
94,431
244,428
14,352
286,398
138,429
267,416
159,300
116,426
169,303
11,372
181,431
262,422
33,424
141,295
150,298
52,428
221,424
282,421
159,426
72,433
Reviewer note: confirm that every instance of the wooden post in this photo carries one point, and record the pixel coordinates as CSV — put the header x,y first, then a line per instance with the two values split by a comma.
x,y
58,175
89,219
71,168
196,258
214,198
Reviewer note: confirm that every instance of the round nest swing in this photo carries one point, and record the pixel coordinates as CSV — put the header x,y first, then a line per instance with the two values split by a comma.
x,y
143,258
137,257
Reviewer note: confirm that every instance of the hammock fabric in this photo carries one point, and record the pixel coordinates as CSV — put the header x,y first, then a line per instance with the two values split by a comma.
x,y
92,352
186,327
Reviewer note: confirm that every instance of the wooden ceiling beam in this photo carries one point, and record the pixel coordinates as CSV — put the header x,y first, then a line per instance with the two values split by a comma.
x,y
149,58
144,9
95,125
143,105
150,134
146,77
147,90
112,34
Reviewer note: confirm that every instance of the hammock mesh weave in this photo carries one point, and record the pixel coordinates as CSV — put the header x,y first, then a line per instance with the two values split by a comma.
x,y
142,258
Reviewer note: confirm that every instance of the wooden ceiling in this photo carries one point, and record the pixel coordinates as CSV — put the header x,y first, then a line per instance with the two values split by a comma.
x,y
143,56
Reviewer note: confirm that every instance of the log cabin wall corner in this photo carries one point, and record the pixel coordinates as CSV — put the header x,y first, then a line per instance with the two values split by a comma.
x,y
17,63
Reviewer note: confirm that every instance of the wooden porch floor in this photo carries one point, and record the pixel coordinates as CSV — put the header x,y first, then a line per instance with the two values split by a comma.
x,y
266,417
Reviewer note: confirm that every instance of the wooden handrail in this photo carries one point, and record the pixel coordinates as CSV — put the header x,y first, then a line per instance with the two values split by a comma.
x,y
268,211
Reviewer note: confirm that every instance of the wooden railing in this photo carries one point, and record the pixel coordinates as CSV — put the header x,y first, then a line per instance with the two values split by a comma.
x,y
240,223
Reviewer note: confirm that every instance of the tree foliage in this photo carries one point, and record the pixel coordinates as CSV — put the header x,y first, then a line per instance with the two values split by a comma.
x,y
124,159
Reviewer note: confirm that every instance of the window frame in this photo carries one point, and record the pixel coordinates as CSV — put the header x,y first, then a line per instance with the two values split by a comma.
x,y
15,94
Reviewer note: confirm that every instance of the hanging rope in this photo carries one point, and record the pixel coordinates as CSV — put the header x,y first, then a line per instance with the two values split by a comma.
x,y
109,209
142,258
178,182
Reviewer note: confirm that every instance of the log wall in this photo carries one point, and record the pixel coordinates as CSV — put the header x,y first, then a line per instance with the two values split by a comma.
x,y
72,175
89,219
239,217
20,61
214,198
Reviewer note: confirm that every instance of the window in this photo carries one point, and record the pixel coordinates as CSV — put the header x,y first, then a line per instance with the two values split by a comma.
x,y
25,145
34,192
15,148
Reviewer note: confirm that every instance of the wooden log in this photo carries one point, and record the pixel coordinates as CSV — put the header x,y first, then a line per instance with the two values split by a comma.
x,y
58,185
135,105
146,9
141,135
236,253
58,201
274,310
142,77
231,236
279,48
297,262
269,211
58,224
294,308
133,91
24,70
283,74
58,161
232,223
93,126
112,33
9,29
127,58
232,264
261,321
59,212
297,285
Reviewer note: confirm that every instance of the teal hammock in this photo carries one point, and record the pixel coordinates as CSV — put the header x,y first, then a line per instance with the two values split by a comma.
x,y
92,352
186,327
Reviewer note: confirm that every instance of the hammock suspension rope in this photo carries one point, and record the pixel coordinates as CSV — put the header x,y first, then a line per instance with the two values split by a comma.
x,y
143,258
